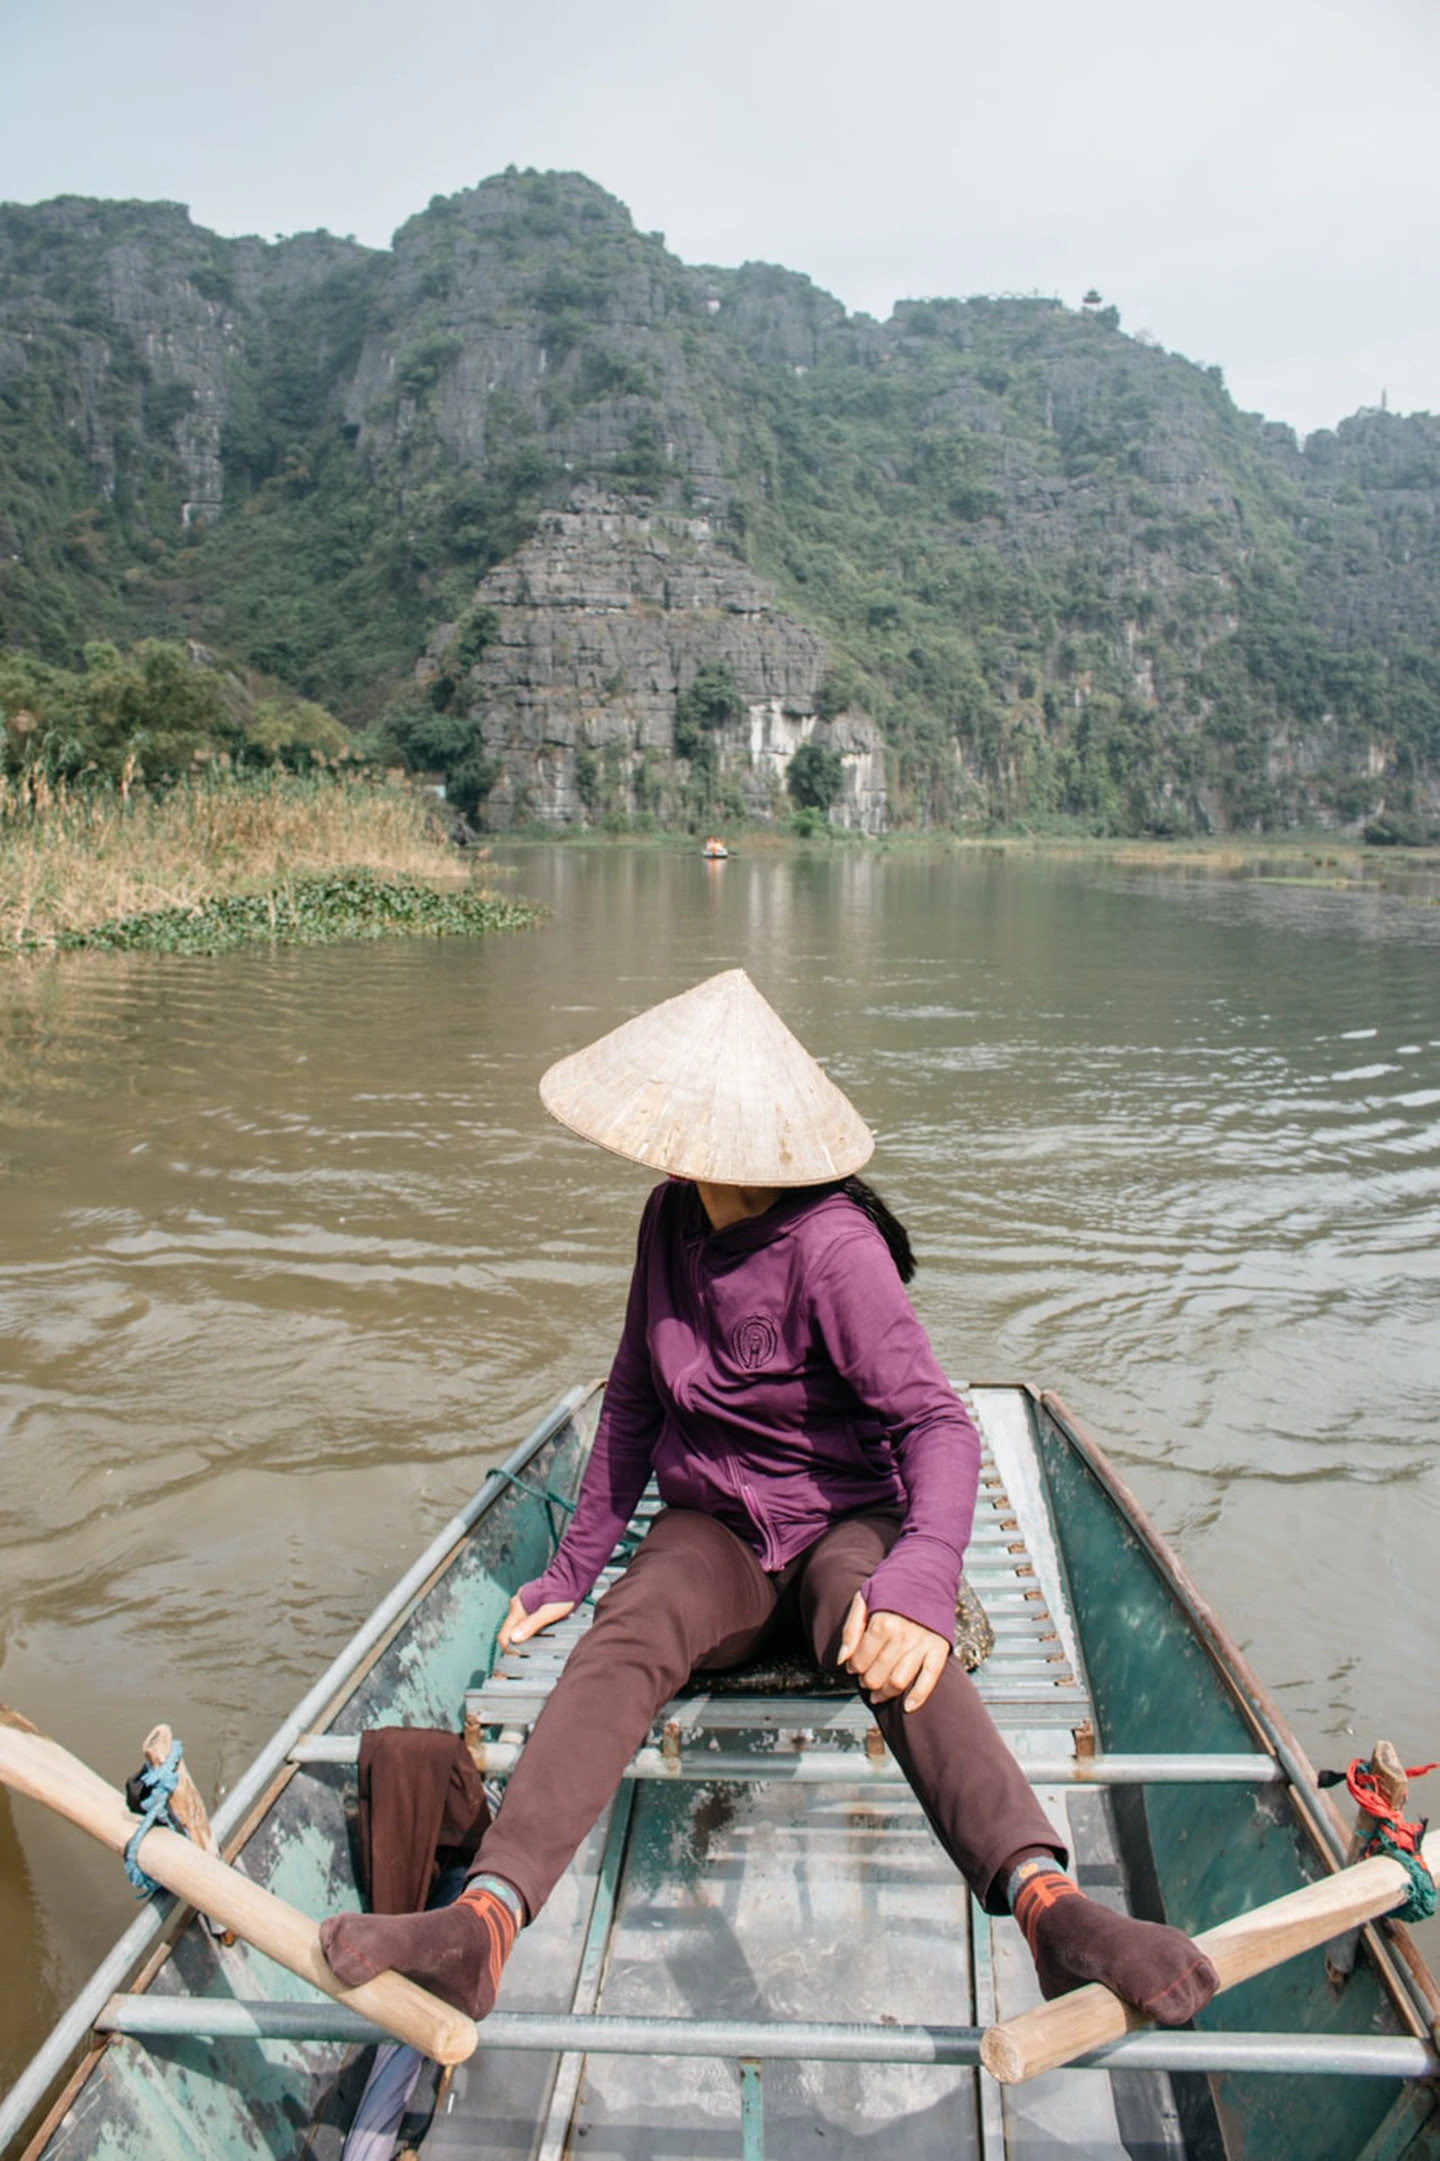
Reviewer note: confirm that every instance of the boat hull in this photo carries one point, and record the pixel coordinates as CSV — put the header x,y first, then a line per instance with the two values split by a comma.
x,y
748,1898
1164,1675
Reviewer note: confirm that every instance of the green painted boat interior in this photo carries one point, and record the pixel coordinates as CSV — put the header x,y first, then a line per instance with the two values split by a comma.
x,y
1196,1859
765,1898
150,2100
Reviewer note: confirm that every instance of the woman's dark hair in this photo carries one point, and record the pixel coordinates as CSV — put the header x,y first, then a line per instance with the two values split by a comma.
x,y
891,1229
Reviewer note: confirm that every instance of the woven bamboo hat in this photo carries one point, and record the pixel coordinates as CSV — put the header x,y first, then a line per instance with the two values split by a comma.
x,y
711,1085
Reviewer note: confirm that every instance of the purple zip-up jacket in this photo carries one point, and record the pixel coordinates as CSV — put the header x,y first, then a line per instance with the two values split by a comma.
x,y
774,1376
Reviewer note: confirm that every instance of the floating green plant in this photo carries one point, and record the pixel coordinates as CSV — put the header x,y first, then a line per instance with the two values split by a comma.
x,y
307,911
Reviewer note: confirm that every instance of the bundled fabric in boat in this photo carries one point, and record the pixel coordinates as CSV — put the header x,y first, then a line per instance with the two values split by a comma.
x,y
422,1811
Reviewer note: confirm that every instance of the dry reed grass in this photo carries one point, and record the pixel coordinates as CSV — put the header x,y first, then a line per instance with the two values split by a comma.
x,y
72,861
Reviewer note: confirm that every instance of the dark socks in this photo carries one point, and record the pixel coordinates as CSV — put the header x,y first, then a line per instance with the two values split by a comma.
x,y
458,1952
1073,1940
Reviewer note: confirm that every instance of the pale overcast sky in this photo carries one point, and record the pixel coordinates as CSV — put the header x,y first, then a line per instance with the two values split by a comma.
x,y
1254,182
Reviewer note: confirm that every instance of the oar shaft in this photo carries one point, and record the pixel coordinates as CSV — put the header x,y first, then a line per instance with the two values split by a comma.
x,y
1054,2033
33,1765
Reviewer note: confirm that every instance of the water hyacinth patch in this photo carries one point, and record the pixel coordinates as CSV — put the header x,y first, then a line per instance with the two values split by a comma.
x,y
306,911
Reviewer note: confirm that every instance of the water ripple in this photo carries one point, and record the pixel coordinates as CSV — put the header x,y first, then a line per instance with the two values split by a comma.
x,y
290,1252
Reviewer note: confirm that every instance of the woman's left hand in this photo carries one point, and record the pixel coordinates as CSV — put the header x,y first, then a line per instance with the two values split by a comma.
x,y
890,1655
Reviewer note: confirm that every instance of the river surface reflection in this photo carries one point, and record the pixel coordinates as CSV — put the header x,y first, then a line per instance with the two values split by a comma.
x,y
290,1252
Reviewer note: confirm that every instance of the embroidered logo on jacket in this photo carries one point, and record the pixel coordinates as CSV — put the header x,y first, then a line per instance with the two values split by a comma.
x,y
754,1342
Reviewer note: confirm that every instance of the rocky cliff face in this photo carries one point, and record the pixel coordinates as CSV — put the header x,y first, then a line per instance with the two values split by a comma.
x,y
1036,568
1371,526
503,313
603,620
160,322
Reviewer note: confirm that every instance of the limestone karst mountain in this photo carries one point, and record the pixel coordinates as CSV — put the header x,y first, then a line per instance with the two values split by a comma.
x,y
609,536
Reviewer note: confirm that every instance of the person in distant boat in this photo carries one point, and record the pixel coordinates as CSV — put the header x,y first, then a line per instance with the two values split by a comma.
x,y
818,1475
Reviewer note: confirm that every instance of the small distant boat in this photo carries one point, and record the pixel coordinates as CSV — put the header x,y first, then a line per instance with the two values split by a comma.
x,y
715,851
761,1930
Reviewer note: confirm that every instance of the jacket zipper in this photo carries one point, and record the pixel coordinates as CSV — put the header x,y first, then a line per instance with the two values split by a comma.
x,y
752,1510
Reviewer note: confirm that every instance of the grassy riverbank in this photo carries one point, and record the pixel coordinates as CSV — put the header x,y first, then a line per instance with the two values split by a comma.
x,y
1220,851
221,862
1315,856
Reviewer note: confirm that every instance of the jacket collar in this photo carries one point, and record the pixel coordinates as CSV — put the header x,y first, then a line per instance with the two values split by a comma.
x,y
751,1232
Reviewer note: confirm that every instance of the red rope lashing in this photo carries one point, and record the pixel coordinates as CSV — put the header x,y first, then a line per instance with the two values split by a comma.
x,y
1364,1791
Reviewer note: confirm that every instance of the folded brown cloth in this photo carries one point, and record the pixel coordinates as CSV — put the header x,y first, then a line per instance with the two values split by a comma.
x,y
422,1810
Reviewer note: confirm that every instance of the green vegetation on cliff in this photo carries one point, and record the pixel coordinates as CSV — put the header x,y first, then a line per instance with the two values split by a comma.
x,y
151,717
1060,569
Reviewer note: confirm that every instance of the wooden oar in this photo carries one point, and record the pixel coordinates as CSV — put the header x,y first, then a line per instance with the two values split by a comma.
x,y
1053,2034
33,1765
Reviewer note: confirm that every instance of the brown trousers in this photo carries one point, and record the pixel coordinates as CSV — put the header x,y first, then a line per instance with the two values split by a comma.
x,y
695,1598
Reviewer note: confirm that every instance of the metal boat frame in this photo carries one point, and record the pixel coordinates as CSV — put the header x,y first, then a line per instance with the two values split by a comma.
x,y
1038,1688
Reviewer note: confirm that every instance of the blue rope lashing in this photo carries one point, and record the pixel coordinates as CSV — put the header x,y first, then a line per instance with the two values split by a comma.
x,y
158,1782
546,1495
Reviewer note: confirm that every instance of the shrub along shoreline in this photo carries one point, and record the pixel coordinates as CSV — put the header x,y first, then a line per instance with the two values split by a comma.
x,y
227,860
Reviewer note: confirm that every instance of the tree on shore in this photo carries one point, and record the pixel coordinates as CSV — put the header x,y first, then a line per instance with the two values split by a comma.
x,y
816,776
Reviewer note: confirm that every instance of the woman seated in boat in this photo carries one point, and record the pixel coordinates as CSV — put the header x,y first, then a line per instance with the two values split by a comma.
x,y
818,1475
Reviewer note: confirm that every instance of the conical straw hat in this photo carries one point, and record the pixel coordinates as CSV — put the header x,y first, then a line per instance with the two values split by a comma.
x,y
711,1085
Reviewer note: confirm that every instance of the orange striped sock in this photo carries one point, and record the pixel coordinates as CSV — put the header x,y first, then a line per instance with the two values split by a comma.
x,y
1034,1888
457,1951
1073,1939
496,1903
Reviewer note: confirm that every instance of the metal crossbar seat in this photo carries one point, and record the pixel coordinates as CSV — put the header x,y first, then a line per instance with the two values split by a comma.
x,y
808,1726
1028,1679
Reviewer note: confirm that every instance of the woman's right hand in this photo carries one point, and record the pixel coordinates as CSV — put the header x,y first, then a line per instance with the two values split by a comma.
x,y
519,1626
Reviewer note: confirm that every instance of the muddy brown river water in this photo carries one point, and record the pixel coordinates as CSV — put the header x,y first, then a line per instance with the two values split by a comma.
x,y
289,1253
